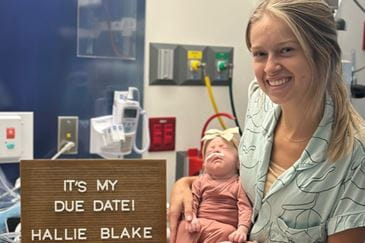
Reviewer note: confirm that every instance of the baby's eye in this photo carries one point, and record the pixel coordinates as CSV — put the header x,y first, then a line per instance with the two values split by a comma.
x,y
208,152
227,148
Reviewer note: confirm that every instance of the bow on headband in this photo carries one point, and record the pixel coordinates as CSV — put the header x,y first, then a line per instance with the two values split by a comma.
x,y
227,134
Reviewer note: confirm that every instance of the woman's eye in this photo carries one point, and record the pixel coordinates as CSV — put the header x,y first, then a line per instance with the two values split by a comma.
x,y
258,54
287,50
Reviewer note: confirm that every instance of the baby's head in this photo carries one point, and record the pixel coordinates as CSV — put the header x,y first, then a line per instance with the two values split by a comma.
x,y
220,152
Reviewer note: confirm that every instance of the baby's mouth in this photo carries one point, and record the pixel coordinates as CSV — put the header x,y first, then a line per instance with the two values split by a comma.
x,y
216,161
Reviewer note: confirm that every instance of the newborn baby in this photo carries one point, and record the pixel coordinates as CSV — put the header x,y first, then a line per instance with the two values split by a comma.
x,y
222,211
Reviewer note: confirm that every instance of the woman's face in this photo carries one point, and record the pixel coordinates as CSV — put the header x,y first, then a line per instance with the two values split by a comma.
x,y
221,159
280,65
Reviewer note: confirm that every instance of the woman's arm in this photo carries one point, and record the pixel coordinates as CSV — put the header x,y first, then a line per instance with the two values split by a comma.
x,y
180,201
356,235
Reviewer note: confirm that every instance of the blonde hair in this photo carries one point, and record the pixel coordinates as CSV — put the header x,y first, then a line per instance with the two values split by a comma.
x,y
313,24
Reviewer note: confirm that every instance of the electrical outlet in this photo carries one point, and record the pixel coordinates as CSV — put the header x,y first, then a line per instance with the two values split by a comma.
x,y
68,127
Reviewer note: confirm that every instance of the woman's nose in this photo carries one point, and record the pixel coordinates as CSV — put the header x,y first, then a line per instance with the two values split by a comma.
x,y
272,65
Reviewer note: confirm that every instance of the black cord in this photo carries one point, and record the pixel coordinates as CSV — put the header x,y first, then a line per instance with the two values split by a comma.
x,y
359,5
232,101
358,70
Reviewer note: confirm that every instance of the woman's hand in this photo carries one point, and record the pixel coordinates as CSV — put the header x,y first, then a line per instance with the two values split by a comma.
x,y
181,201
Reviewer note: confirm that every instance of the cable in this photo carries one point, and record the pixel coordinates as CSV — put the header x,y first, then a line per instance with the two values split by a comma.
x,y
8,237
65,148
231,100
145,121
359,5
358,70
211,96
11,191
8,189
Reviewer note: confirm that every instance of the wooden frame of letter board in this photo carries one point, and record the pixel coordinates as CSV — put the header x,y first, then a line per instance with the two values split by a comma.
x,y
143,181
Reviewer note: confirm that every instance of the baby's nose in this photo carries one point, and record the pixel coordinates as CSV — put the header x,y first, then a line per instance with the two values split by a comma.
x,y
217,150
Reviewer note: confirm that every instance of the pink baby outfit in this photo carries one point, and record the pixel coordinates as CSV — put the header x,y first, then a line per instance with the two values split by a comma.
x,y
220,205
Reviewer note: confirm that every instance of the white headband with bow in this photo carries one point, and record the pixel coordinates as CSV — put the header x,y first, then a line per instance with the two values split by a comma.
x,y
227,134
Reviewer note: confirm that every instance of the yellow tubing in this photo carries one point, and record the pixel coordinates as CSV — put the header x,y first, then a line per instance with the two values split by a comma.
x,y
212,100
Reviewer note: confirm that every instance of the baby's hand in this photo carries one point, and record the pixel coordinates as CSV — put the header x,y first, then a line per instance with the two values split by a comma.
x,y
194,225
240,235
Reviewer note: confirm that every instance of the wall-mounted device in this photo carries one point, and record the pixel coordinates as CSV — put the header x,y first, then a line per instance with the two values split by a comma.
x,y
162,131
162,59
189,61
68,127
114,136
16,136
219,64
176,64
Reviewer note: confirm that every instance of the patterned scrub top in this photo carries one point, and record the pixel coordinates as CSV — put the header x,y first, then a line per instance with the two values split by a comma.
x,y
312,199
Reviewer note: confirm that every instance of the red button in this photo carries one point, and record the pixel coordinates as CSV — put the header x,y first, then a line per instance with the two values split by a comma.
x,y
156,140
168,127
168,140
157,126
10,132
156,133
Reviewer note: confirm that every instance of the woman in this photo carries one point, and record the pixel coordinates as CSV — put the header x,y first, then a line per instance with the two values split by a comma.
x,y
302,153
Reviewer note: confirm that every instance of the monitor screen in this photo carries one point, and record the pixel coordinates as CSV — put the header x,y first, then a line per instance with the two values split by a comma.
x,y
130,113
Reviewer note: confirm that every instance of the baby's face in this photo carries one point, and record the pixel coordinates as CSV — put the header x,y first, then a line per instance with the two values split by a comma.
x,y
221,159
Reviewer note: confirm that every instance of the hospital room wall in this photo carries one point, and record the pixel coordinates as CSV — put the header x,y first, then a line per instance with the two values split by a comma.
x,y
203,22
213,22
352,39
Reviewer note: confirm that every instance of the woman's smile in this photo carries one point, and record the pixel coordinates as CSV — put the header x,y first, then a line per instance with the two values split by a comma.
x,y
277,82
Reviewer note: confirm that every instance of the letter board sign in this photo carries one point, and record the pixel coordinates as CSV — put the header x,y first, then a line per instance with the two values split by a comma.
x,y
93,200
